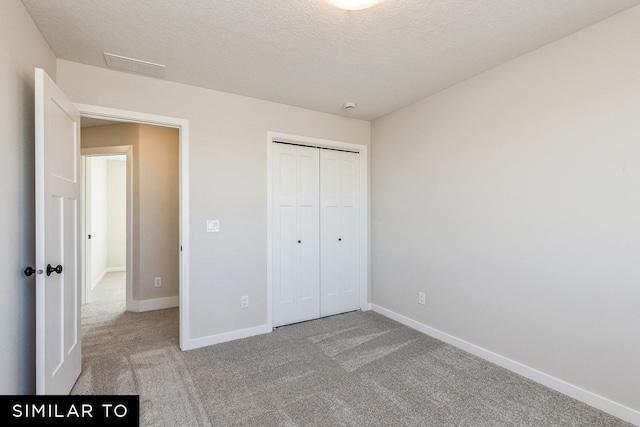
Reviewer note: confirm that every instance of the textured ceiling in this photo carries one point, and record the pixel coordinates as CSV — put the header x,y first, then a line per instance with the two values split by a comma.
x,y
310,54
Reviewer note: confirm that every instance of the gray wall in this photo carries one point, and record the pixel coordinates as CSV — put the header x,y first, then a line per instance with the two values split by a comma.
x,y
159,210
513,201
21,49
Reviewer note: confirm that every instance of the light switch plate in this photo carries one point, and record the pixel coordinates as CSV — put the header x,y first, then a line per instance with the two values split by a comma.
x,y
213,226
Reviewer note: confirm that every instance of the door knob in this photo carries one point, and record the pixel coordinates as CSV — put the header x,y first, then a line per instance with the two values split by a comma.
x,y
339,239
299,241
29,271
50,269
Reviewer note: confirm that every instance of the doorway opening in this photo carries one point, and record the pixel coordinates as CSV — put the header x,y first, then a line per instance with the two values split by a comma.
x,y
153,281
105,215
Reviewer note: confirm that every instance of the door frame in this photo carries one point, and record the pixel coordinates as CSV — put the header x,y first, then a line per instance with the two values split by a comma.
x,y
105,113
272,137
126,150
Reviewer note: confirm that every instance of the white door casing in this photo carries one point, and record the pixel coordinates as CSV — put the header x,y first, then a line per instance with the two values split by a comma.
x,y
57,157
340,232
86,244
105,113
296,244
363,255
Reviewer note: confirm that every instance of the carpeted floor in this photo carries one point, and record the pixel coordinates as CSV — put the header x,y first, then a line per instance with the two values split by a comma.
x,y
356,369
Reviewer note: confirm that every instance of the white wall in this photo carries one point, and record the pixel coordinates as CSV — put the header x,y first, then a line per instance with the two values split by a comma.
x,y
513,201
21,49
228,135
116,212
106,215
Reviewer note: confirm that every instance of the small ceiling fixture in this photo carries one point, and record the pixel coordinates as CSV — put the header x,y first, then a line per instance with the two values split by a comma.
x,y
348,106
354,4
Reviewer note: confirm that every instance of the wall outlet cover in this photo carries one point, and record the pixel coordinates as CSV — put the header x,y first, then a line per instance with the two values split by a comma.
x,y
213,226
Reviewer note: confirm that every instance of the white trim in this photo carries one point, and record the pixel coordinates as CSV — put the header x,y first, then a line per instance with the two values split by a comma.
x,y
364,209
183,126
154,304
227,336
127,150
86,286
115,269
95,282
590,398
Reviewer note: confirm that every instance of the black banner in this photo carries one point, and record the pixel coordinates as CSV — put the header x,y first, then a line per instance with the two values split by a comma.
x,y
70,411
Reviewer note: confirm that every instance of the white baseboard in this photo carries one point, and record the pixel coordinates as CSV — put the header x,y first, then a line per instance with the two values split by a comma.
x,y
194,343
100,277
106,270
592,399
154,304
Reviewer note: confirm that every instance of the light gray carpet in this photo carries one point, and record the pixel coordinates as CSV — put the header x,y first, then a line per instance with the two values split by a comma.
x,y
356,369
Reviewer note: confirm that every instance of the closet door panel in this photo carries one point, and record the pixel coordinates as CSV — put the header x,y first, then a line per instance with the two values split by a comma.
x,y
287,265
329,228
284,228
309,229
350,230
295,268
340,243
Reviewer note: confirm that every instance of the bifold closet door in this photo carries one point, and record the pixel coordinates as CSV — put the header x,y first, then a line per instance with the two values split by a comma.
x,y
340,232
296,234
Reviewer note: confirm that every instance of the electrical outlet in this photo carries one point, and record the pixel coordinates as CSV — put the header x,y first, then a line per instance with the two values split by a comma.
x,y
157,282
422,298
244,301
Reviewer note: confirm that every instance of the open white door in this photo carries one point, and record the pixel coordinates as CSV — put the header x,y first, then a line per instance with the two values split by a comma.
x,y
57,153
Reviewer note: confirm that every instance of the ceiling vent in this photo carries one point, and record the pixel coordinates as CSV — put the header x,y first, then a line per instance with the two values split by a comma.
x,y
134,65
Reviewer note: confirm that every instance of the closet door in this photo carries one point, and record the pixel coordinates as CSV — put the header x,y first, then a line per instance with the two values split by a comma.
x,y
296,234
340,231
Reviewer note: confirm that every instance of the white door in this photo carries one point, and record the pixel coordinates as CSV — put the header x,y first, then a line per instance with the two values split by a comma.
x,y
57,154
340,231
296,242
